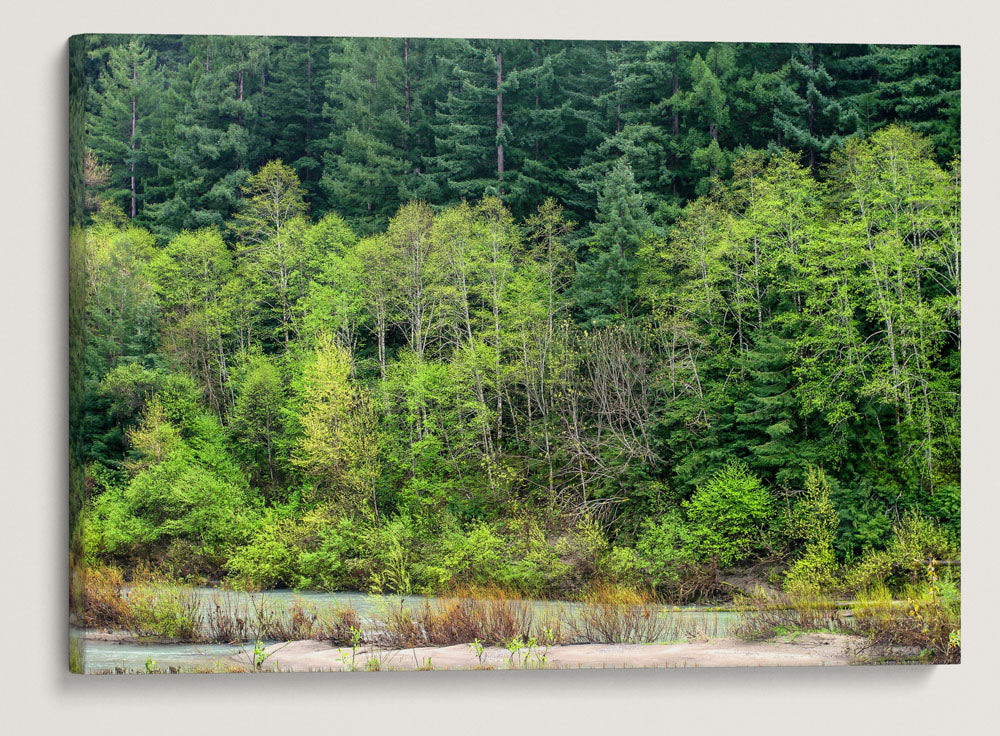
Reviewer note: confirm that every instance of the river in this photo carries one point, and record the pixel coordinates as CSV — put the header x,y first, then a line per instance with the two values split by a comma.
x,y
103,655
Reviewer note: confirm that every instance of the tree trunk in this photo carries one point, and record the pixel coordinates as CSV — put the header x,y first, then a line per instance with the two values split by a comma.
x,y
538,55
406,74
499,120
812,119
239,110
132,140
677,112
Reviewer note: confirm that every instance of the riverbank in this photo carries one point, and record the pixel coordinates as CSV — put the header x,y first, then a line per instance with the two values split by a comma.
x,y
127,627
811,649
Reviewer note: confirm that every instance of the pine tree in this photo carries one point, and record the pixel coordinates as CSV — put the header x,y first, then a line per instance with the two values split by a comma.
x,y
606,281
641,118
366,148
552,113
808,115
293,107
474,137
127,97
217,131
766,417
921,87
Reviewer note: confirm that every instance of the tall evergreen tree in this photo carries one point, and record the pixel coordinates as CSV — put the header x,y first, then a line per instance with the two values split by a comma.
x,y
217,130
606,280
808,115
366,149
127,97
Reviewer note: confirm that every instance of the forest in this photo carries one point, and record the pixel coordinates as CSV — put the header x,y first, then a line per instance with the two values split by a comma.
x,y
402,315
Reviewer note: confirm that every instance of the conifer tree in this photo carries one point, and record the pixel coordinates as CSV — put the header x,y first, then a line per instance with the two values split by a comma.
x,y
293,107
126,101
921,87
606,280
808,116
366,148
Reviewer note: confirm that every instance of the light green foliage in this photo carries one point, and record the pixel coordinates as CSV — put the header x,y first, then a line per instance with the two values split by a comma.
x,y
916,542
340,441
599,363
186,503
814,572
268,559
814,520
190,275
729,514
256,421
664,547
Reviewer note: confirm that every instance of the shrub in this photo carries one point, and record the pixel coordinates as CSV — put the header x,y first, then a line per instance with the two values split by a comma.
x,y
267,560
516,556
729,514
664,549
763,615
103,600
622,565
186,501
492,616
814,520
926,626
333,554
476,556
916,542
814,572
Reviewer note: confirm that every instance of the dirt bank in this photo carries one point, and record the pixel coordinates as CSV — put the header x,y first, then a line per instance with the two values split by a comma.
x,y
801,650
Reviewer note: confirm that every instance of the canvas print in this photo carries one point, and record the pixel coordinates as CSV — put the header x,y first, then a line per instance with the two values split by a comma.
x,y
439,353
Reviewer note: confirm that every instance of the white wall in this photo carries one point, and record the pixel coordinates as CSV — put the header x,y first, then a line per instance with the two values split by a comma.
x,y
38,695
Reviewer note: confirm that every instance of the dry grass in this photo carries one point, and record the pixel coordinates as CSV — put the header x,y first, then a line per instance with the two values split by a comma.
x,y
612,614
103,600
491,616
148,605
299,620
153,605
763,614
925,626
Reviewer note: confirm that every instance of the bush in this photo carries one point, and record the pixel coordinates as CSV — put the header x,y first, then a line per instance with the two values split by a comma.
x,y
763,615
729,515
334,556
476,556
186,502
815,572
267,561
664,549
813,520
916,542
622,565
516,556
926,626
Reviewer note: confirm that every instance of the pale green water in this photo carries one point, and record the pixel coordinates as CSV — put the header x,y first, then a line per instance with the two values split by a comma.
x,y
102,656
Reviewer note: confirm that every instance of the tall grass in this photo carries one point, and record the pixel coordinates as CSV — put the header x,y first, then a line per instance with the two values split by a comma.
x,y
926,626
155,605
923,625
763,615
492,616
612,614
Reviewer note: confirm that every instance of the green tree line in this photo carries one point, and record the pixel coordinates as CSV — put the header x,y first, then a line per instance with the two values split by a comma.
x,y
658,313
368,124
